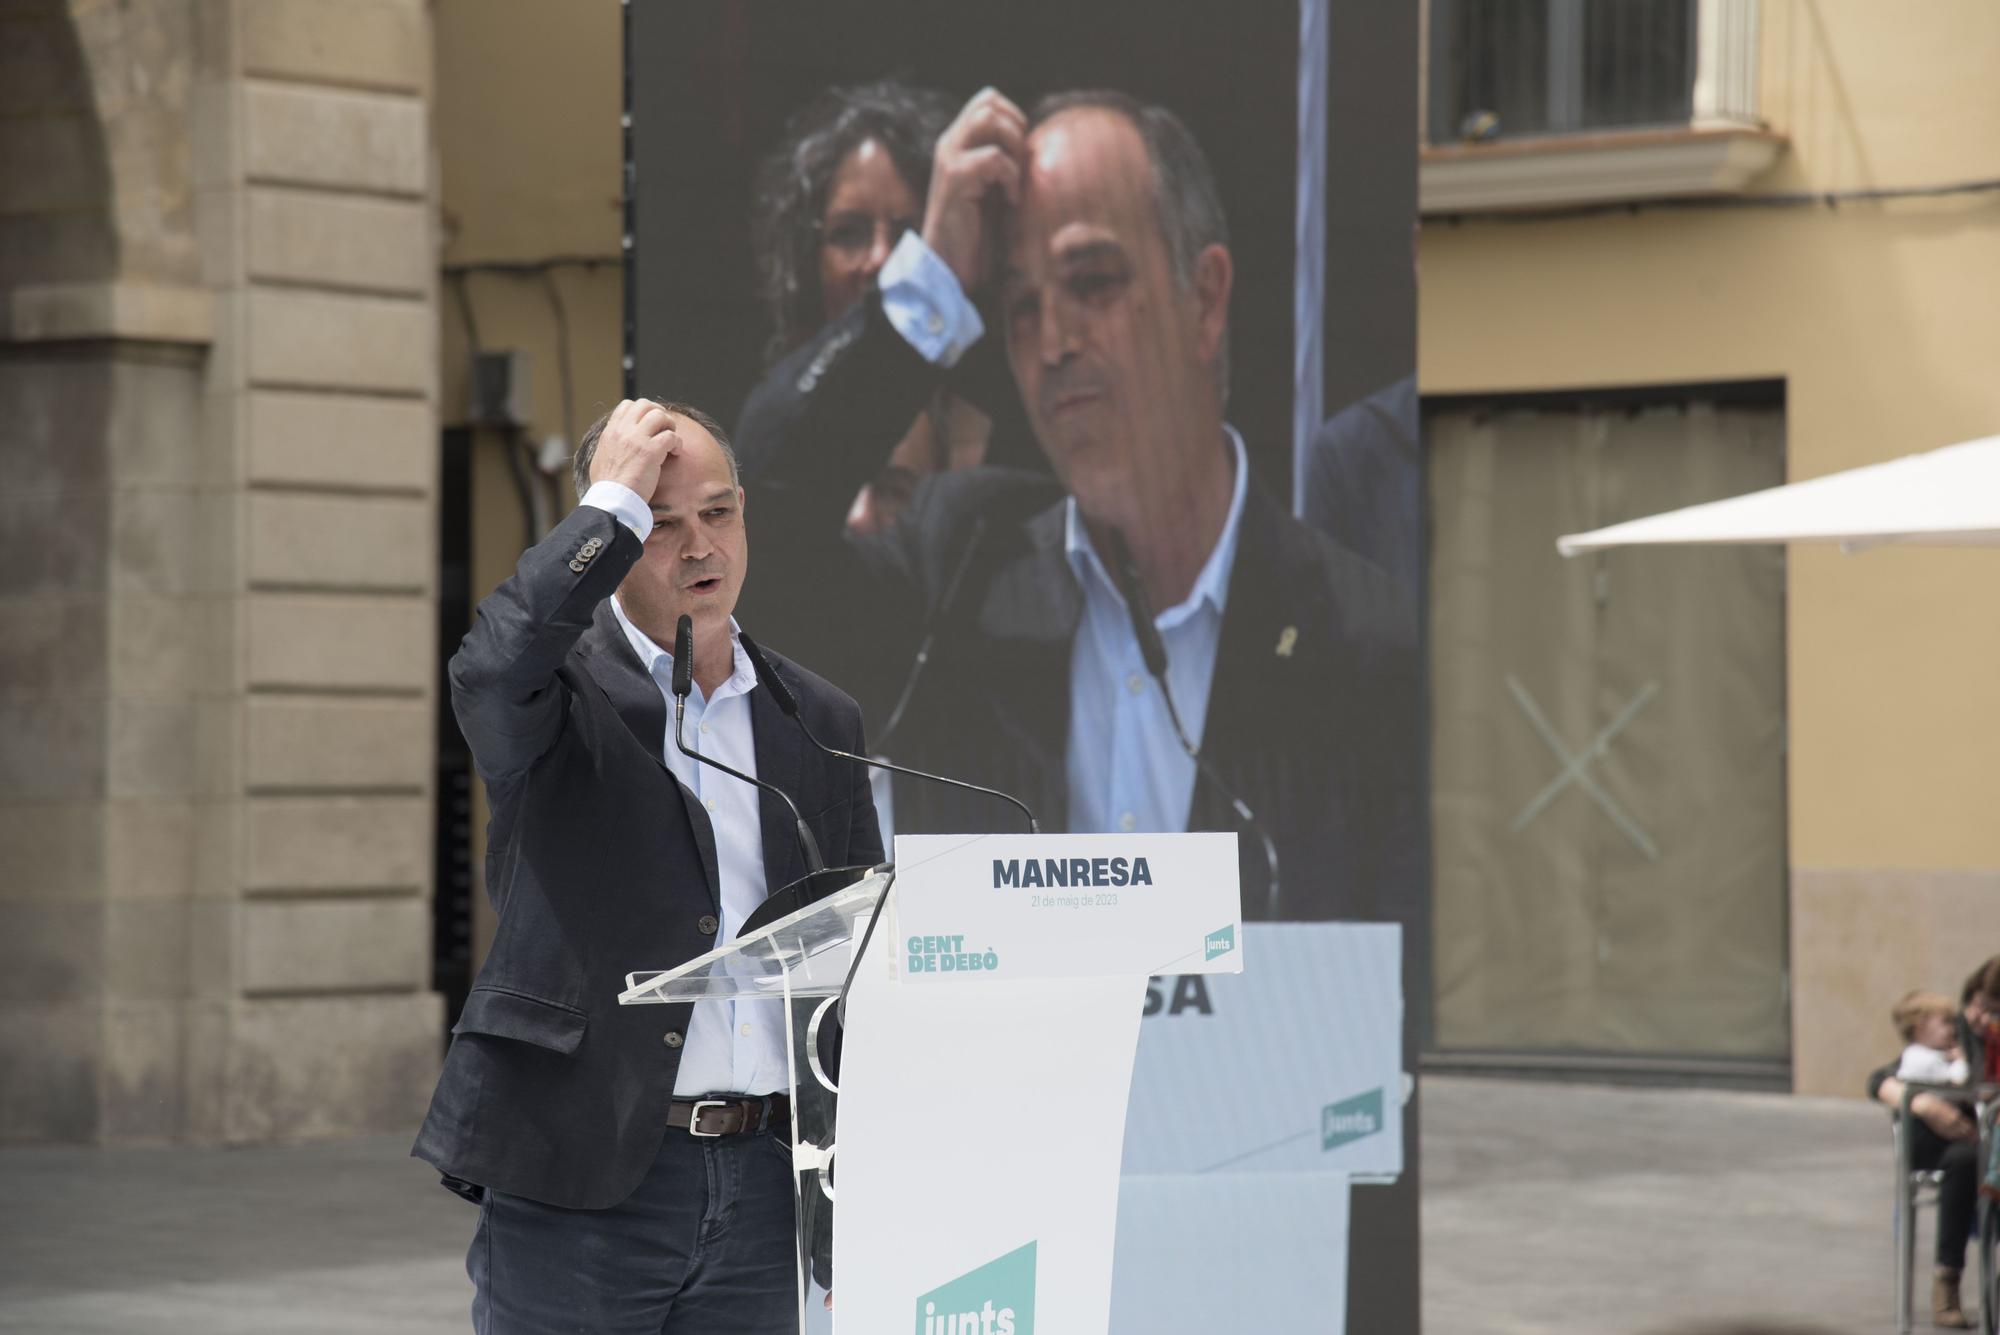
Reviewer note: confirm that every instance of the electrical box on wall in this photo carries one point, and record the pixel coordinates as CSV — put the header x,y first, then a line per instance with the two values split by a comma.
x,y
499,388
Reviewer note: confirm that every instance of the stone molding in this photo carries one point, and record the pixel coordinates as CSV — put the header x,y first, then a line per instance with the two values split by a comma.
x,y
130,312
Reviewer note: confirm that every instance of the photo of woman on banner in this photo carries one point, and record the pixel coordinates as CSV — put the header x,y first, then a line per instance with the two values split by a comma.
x,y
1147,640
830,203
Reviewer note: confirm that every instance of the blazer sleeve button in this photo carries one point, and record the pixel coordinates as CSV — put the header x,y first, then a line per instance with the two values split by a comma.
x,y
707,925
673,1038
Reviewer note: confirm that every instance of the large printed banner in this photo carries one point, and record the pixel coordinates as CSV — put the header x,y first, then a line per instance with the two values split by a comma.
x,y
1068,356
1293,1066
1242,1139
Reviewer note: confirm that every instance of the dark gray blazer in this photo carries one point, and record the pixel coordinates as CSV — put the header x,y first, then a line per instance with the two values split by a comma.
x,y
599,862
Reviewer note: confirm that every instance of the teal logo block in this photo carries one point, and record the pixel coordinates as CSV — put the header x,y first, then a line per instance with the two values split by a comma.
x,y
996,1299
1350,1120
1219,942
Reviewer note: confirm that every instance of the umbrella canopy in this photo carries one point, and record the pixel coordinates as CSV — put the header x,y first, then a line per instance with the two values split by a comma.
x,y
1948,498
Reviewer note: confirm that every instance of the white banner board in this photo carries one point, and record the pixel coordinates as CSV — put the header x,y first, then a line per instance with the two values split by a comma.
x,y
1221,1253
1293,1066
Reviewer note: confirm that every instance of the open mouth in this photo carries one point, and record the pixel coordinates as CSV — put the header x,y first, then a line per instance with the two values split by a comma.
x,y
1076,398
706,586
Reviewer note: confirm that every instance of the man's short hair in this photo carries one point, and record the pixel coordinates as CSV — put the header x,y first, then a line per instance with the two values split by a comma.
x,y
1186,203
586,448
1917,1005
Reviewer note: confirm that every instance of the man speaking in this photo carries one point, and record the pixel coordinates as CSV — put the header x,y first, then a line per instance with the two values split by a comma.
x,y
632,1164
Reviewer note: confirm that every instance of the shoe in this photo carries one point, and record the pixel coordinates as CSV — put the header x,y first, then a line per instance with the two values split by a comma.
x,y
1945,1310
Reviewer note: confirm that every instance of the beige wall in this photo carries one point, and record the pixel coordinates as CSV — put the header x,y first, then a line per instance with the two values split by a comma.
x,y
530,153
217,380
529,147
1884,321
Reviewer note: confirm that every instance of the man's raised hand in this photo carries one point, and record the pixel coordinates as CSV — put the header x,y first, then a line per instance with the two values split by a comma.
x,y
978,166
634,444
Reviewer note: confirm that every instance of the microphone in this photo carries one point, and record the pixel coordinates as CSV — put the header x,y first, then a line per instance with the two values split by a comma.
x,y
1154,651
931,628
683,681
788,704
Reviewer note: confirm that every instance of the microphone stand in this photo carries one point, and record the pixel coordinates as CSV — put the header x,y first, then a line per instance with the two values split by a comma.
x,y
1154,651
788,705
820,880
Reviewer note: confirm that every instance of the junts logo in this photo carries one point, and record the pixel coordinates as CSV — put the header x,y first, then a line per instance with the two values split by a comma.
x,y
1350,1120
1219,942
947,954
996,1299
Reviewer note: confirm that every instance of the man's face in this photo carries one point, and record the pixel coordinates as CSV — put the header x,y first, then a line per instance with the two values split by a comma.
x,y
697,554
1114,356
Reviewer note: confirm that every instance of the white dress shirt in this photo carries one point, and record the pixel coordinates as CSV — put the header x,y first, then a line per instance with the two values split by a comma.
x,y
924,303
732,1046
1127,769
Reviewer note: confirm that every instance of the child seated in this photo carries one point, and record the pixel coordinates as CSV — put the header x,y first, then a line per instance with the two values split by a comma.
x,y
1928,1023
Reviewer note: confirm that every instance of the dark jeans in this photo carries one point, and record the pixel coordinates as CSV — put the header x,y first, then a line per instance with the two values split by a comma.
x,y
705,1246
1958,1193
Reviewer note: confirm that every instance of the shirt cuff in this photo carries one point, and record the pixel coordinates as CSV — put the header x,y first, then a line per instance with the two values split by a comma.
x,y
625,505
922,298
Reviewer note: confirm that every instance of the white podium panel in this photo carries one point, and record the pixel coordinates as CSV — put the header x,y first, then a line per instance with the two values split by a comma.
x,y
977,1163
988,1057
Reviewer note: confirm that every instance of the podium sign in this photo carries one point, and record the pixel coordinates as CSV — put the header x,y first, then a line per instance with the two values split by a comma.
x,y
982,1112
1066,906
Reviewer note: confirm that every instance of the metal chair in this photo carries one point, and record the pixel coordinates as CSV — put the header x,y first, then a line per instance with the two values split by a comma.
x,y
1914,1186
1989,1227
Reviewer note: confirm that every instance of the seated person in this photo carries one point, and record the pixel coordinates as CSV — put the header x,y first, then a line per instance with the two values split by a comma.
x,y
1944,1137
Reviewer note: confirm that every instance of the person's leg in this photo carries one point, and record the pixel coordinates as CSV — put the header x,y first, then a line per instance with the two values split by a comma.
x,y
1958,1201
1957,1162
538,1269
744,1279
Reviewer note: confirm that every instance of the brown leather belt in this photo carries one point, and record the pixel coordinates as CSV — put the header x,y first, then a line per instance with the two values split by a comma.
x,y
739,1116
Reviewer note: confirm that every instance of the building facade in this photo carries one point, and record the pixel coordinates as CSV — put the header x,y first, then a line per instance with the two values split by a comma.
x,y
1552,267
253,247
218,389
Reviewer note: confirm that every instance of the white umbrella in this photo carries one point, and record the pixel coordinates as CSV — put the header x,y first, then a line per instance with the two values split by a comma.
x,y
1945,498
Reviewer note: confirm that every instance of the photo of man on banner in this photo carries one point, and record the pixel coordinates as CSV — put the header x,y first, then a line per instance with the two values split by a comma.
x,y
1133,635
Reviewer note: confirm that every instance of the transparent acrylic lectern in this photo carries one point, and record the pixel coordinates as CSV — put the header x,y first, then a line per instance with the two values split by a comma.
x,y
800,962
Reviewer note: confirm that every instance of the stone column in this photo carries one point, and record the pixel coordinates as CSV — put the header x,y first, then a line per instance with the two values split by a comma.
x,y
219,372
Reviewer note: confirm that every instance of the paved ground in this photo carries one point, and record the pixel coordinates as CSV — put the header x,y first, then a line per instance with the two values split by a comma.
x,y
1549,1209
